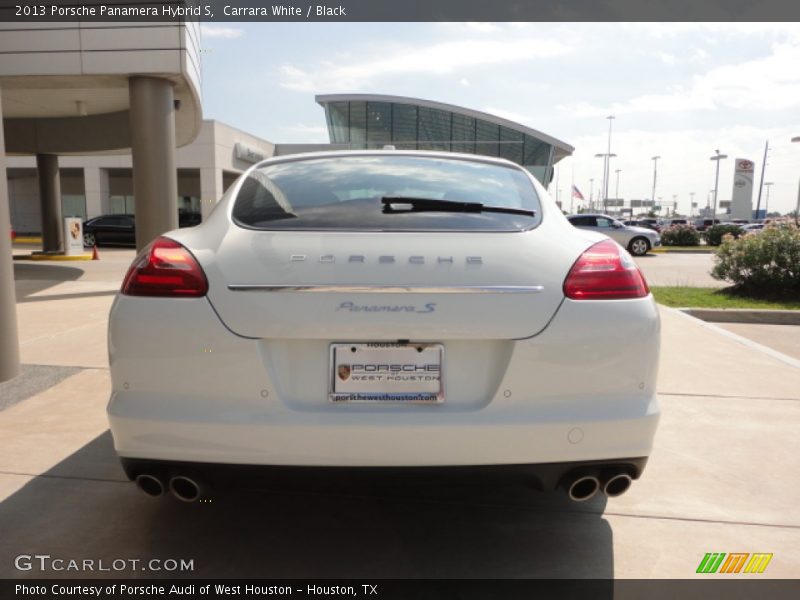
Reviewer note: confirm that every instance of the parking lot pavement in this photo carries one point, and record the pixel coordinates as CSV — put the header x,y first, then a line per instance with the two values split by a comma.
x,y
783,338
720,479
675,269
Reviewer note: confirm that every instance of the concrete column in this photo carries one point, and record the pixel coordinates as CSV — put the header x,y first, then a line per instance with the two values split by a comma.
x,y
95,185
155,178
210,189
50,201
9,340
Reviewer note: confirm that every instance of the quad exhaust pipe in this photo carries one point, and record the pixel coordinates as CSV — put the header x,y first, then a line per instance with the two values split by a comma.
x,y
183,487
617,485
584,487
150,484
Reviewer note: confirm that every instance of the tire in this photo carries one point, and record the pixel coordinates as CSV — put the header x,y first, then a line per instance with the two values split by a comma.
x,y
89,240
639,246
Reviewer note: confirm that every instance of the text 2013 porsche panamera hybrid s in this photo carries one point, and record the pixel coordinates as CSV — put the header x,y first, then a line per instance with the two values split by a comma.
x,y
384,309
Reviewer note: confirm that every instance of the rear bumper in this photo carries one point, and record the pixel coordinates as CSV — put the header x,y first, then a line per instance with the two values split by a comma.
x,y
185,389
381,439
545,476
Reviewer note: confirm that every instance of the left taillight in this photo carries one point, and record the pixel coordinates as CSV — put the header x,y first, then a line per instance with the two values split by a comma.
x,y
165,268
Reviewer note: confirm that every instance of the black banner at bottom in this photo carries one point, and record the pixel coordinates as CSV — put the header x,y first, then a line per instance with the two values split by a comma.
x,y
402,589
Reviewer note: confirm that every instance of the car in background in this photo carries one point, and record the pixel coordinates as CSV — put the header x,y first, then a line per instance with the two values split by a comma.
x,y
383,309
648,223
110,230
120,230
703,224
637,240
671,222
752,227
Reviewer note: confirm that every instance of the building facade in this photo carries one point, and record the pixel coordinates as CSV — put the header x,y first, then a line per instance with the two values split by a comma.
x,y
368,121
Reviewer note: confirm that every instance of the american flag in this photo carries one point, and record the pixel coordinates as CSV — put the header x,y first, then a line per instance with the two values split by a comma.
x,y
576,193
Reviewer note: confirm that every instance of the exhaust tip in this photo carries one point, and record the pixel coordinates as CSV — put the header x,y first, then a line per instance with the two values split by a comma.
x,y
583,488
150,484
617,485
185,488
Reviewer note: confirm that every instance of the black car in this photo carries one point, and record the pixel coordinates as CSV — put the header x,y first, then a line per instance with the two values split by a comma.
x,y
113,230
120,230
703,224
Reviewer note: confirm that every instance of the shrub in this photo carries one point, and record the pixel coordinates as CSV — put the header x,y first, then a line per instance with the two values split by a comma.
x,y
714,234
680,235
767,262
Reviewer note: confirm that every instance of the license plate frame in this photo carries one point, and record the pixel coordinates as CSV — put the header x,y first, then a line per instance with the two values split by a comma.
x,y
386,373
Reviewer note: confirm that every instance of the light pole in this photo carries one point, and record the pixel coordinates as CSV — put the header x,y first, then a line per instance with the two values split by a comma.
x,y
608,156
616,193
716,158
674,203
797,208
604,188
655,171
591,195
767,185
691,204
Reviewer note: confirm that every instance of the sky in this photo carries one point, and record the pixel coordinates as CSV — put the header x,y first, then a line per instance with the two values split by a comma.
x,y
677,90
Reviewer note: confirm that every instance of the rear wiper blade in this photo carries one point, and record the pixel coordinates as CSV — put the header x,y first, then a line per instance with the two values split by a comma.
x,y
401,204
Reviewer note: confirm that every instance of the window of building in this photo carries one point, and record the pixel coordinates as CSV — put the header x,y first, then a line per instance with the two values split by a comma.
x,y
486,135
379,124
434,129
404,126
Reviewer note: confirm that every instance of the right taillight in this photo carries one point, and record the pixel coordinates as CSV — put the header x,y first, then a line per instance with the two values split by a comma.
x,y
165,268
605,272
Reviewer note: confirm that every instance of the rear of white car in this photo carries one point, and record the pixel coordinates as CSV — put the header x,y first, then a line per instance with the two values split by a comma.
x,y
304,325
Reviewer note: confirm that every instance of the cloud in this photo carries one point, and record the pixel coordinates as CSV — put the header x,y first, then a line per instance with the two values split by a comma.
x,y
768,83
220,32
436,59
668,59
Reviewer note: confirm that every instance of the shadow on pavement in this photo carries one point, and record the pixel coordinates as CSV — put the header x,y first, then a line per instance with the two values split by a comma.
x,y
322,527
33,278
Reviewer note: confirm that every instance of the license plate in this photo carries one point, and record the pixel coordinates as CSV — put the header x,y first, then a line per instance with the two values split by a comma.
x,y
386,372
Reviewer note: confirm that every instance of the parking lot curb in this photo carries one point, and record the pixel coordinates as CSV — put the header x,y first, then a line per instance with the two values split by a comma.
x,y
57,257
744,315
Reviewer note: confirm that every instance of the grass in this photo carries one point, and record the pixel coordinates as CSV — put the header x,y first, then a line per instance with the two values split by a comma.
x,y
692,297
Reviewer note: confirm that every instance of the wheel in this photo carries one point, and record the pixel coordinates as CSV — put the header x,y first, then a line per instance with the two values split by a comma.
x,y
639,246
89,239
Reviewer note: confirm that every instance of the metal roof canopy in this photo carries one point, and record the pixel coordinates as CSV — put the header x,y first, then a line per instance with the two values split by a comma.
x,y
561,149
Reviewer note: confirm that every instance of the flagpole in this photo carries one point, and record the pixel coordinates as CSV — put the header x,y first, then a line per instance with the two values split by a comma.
x,y
572,192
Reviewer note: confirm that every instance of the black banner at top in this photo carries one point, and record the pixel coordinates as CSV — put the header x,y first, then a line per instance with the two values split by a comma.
x,y
143,11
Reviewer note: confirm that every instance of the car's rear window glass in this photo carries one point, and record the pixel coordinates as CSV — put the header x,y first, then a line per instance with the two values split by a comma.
x,y
345,193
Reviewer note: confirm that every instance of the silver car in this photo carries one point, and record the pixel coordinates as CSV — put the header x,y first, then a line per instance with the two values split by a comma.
x,y
638,240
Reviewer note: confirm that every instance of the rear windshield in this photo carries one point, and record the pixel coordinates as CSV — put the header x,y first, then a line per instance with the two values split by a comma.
x,y
346,193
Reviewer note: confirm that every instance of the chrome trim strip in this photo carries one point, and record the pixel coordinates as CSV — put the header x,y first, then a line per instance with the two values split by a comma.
x,y
391,289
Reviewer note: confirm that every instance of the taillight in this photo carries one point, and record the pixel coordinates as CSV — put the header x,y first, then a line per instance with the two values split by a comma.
x,y
605,272
165,268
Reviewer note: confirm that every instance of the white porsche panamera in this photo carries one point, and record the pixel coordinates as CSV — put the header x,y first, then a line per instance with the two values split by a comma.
x,y
384,309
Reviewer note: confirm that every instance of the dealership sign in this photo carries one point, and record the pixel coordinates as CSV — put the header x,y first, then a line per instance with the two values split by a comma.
x,y
742,197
